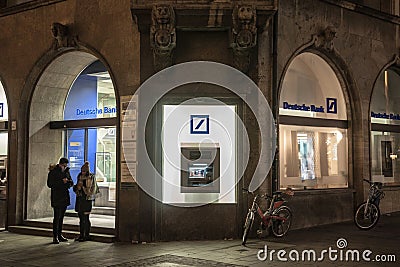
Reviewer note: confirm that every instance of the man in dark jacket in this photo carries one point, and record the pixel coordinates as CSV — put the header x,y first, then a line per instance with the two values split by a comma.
x,y
59,180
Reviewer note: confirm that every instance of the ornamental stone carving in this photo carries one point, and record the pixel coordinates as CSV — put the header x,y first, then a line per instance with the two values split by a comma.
x,y
324,39
62,36
244,35
396,60
162,35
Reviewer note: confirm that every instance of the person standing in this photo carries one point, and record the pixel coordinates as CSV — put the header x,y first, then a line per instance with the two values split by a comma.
x,y
86,189
59,180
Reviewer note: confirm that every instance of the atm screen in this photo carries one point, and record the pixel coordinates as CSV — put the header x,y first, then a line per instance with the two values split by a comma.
x,y
197,172
200,169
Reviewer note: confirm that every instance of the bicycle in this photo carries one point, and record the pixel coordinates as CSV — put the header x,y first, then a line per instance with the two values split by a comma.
x,y
368,213
278,216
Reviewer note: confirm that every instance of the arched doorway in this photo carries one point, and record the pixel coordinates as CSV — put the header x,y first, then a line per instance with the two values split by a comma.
x,y
313,126
3,155
73,114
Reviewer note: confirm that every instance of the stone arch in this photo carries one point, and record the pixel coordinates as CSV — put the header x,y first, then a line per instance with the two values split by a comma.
x,y
46,103
359,158
350,94
384,120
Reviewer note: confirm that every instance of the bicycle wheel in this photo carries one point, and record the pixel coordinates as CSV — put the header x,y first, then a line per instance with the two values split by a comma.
x,y
366,218
247,226
281,225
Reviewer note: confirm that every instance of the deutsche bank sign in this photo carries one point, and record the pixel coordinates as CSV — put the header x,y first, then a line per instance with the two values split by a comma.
x,y
331,107
199,124
95,111
1,110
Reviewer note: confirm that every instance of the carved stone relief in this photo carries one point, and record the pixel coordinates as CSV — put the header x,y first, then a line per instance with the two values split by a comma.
x,y
396,59
324,39
62,36
162,35
244,35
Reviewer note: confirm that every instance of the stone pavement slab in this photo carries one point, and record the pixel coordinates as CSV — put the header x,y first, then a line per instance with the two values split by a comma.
x,y
344,238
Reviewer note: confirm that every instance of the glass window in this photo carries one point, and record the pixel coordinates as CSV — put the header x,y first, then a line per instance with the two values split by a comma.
x,y
92,95
311,89
98,146
313,157
3,143
3,104
385,113
385,148
106,155
385,98
313,153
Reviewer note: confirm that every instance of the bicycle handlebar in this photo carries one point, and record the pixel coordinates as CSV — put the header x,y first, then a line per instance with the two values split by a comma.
x,y
247,191
288,192
257,195
379,184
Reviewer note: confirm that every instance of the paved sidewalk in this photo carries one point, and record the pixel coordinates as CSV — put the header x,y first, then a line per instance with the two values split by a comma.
x,y
383,240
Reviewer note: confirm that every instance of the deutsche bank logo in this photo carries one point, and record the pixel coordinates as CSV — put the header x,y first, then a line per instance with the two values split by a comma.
x,y
1,110
331,105
199,124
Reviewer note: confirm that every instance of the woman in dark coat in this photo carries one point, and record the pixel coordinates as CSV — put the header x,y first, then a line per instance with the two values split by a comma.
x,y
86,190
59,180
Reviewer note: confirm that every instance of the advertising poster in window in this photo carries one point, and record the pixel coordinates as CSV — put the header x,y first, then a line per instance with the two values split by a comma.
x,y
128,127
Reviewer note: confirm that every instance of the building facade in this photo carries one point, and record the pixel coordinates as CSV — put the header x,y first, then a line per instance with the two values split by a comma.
x,y
70,72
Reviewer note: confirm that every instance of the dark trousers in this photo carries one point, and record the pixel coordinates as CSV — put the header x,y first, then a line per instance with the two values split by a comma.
x,y
84,225
58,220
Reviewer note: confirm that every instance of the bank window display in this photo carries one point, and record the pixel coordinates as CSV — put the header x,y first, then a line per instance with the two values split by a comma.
x,y
313,126
92,97
385,134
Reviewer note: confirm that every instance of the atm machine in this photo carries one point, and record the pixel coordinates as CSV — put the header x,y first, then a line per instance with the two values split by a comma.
x,y
200,168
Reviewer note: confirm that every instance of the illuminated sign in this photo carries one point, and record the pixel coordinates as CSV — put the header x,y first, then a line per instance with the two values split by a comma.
x,y
1,110
390,116
199,124
331,106
93,111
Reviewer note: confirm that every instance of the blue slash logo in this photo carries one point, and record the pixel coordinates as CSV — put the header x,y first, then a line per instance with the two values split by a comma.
x,y
1,109
331,105
199,124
